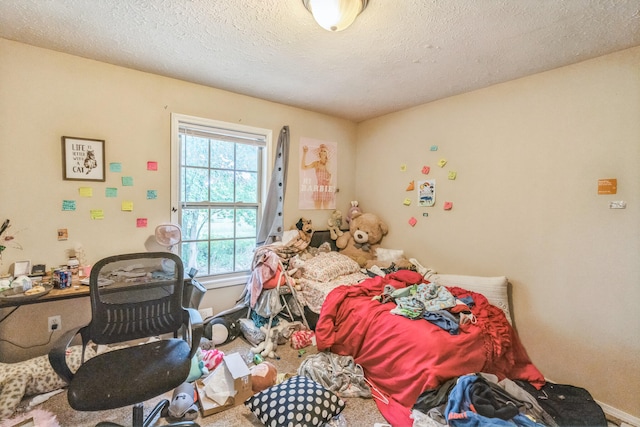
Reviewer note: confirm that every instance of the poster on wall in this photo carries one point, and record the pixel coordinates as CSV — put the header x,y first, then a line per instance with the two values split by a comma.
x,y
318,174
82,159
427,192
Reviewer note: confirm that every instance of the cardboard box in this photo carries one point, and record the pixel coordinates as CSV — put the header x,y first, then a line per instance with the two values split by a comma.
x,y
238,371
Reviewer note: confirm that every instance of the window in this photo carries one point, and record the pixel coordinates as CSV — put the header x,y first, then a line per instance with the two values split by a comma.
x,y
218,185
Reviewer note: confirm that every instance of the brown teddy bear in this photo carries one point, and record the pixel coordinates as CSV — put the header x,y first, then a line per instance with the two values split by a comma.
x,y
363,238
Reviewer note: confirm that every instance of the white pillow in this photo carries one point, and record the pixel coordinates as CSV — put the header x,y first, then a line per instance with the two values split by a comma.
x,y
495,289
389,255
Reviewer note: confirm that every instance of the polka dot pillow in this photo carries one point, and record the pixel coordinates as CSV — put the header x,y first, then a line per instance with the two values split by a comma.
x,y
298,401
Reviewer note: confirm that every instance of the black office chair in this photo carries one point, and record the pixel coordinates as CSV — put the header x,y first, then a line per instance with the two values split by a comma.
x,y
133,297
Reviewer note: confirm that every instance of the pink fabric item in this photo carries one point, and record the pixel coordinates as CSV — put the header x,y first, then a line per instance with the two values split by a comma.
x,y
301,339
265,267
212,358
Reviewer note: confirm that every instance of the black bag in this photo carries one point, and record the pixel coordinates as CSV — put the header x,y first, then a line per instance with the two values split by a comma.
x,y
567,404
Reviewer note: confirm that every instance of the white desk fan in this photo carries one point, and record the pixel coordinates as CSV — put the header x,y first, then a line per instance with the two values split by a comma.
x,y
168,235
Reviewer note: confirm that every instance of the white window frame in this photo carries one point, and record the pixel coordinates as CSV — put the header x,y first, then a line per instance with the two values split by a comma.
x,y
231,279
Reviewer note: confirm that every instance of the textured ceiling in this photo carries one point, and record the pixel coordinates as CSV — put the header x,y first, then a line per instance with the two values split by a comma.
x,y
398,53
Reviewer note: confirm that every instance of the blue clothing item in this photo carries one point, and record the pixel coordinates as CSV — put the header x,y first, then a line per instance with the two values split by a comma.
x,y
444,319
468,301
459,414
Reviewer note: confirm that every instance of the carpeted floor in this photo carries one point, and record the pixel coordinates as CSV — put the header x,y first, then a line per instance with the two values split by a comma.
x,y
358,412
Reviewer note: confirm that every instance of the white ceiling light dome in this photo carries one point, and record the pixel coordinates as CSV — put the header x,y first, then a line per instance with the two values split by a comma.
x,y
335,15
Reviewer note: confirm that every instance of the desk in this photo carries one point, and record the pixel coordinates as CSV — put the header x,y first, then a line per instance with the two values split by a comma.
x,y
193,293
53,295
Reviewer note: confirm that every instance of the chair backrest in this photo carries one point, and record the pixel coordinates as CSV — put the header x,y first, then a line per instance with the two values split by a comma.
x,y
136,296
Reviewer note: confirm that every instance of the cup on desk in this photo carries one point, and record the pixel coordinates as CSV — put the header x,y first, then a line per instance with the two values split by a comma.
x,y
85,271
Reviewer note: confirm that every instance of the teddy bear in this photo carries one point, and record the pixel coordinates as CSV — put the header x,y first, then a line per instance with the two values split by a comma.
x,y
366,230
335,222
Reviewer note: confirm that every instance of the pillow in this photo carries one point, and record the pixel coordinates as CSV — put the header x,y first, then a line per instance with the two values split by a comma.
x,y
327,266
495,289
389,255
298,401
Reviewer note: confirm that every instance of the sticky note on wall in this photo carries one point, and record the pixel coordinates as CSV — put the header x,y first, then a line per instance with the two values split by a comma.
x,y
608,186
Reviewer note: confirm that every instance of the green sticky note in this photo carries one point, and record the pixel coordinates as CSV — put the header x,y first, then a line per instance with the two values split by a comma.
x,y
115,167
111,192
127,181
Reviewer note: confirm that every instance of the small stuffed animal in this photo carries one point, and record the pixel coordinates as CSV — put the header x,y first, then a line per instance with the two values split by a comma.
x,y
300,242
363,238
296,267
355,208
268,347
335,222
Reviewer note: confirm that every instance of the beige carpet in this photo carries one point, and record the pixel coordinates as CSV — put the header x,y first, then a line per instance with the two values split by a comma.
x,y
358,412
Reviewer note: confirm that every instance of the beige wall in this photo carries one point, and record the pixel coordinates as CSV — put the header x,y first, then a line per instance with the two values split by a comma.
x,y
45,95
528,155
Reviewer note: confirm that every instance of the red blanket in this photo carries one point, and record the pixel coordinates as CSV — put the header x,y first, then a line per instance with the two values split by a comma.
x,y
402,357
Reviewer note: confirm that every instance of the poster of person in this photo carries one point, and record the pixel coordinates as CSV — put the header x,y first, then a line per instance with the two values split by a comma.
x,y
427,192
318,174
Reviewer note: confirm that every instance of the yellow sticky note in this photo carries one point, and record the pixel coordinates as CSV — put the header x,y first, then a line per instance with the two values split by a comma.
x,y
442,162
127,205
407,201
403,168
85,191
97,214
452,174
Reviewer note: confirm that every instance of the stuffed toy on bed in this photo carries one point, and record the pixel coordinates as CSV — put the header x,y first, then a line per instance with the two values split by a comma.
x,y
33,376
366,230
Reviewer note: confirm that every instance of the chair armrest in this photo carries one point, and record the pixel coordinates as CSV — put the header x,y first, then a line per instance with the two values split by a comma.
x,y
196,328
58,354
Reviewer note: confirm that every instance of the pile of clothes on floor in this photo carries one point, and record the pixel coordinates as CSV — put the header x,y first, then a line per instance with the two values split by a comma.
x,y
481,400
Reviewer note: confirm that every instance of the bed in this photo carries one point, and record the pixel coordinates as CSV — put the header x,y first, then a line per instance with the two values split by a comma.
x,y
402,357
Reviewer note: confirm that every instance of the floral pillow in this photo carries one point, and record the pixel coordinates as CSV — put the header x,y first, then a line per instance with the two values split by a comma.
x,y
327,266
298,401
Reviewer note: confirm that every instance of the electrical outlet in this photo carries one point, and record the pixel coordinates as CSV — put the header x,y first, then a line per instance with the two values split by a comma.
x,y
206,312
54,324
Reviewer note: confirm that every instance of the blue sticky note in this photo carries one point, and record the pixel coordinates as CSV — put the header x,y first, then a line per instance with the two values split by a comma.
x,y
434,148
115,167
68,205
152,194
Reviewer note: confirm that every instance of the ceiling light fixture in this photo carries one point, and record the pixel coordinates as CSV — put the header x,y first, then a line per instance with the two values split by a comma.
x,y
335,15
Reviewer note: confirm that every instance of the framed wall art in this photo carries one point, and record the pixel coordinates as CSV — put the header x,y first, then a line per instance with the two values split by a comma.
x,y
83,159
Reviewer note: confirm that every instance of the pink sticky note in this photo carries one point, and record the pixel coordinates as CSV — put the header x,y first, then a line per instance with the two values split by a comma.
x,y
426,170
152,166
141,222
413,221
448,206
